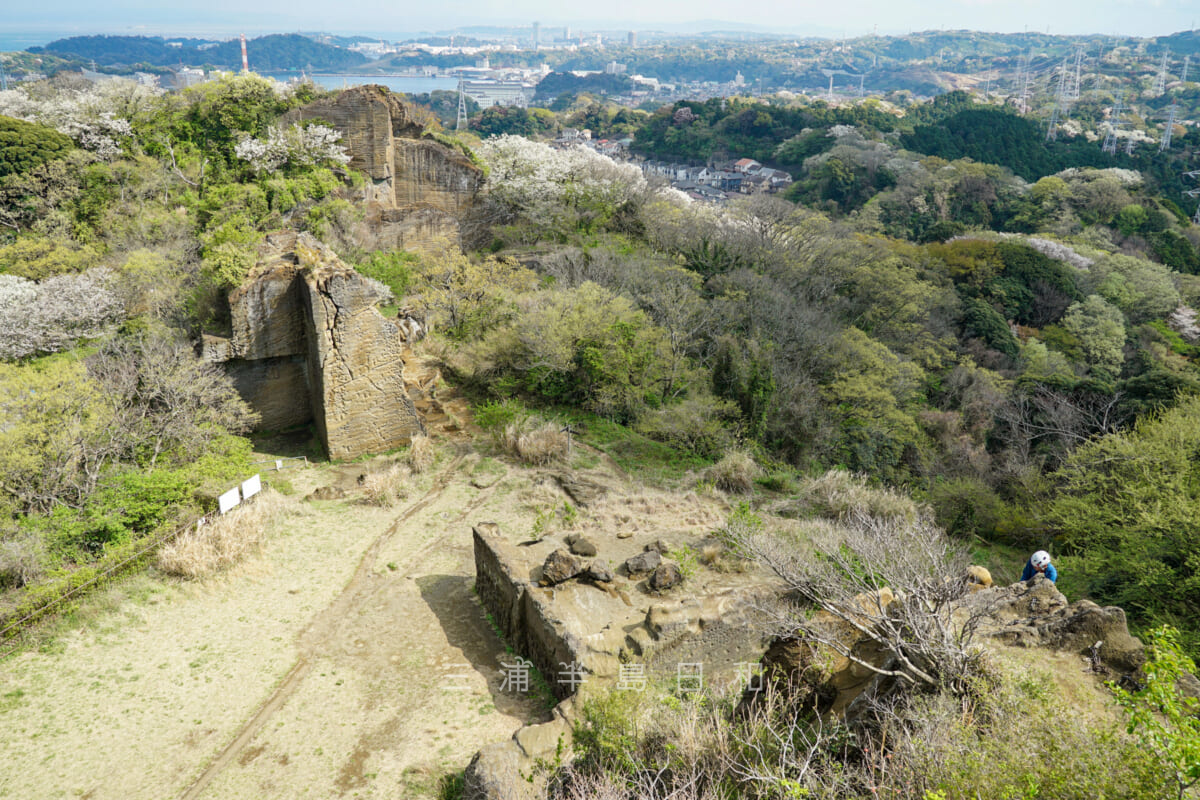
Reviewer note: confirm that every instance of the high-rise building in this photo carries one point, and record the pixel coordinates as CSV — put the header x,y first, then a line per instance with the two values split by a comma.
x,y
633,38
537,35
567,33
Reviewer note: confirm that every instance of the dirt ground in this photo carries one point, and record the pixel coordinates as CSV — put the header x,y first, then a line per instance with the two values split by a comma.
x,y
349,658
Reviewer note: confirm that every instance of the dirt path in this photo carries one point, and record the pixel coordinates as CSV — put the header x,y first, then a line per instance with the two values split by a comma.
x,y
349,659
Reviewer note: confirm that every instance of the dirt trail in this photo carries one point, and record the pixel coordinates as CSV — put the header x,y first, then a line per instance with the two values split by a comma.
x,y
351,658
319,634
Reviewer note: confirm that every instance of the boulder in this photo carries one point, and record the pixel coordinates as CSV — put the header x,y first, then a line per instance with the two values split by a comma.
x,y
1035,614
660,546
977,578
560,566
643,562
495,774
582,546
599,571
666,576
583,491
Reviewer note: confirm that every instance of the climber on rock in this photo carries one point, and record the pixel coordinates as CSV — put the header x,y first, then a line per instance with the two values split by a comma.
x,y
1039,562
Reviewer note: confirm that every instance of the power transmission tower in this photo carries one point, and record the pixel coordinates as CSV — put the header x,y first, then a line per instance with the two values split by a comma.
x,y
462,107
1060,105
1194,193
1110,138
1078,65
1025,85
1160,83
1172,110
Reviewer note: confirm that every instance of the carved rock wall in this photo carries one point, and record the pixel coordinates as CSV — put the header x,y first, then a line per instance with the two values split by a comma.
x,y
355,366
409,176
308,344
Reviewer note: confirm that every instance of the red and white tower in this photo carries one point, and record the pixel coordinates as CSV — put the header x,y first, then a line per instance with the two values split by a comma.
x,y
245,61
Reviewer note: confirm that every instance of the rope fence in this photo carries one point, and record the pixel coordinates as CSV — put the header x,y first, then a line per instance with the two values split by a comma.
x,y
244,491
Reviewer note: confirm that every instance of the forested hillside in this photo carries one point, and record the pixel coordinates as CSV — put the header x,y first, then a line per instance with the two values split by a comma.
x,y
289,51
942,305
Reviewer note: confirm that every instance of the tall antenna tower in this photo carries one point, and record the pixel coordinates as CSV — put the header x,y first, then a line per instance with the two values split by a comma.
x,y
1160,83
1110,138
462,107
245,60
1060,104
1172,110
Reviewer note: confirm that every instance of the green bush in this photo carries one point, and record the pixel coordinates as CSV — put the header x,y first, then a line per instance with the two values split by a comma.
x,y
393,269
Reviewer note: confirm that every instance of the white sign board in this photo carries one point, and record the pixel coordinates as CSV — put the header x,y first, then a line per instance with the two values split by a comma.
x,y
251,487
228,500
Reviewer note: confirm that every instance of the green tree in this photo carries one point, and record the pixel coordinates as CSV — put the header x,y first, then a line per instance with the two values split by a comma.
x,y
25,145
1100,328
52,416
1165,720
1126,510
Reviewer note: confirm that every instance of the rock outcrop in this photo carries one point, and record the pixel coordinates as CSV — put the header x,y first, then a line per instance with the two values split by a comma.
x,y
1025,614
418,187
308,344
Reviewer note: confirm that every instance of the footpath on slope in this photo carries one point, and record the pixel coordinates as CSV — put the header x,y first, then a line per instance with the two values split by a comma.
x,y
349,658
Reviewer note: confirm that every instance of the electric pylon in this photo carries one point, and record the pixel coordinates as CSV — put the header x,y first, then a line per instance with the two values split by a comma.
x,y
1172,110
462,107
1110,138
1060,104
1194,193
1160,83
1078,65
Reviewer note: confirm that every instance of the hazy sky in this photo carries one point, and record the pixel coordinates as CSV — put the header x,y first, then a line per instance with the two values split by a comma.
x,y
383,17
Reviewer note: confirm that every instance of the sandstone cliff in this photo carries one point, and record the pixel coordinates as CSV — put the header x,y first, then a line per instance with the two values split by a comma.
x,y
308,344
417,187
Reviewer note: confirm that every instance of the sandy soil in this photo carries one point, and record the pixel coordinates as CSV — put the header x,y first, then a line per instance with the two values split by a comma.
x,y
349,658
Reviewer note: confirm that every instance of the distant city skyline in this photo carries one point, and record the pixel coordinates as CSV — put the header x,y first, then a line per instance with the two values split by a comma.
x,y
1147,18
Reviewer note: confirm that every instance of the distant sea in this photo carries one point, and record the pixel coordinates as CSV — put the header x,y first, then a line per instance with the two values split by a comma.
x,y
409,84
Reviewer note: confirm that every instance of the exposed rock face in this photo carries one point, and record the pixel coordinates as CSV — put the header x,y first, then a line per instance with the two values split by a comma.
x,y
417,187
309,344
1032,614
1035,614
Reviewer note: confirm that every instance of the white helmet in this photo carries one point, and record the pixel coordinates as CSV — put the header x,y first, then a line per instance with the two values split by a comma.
x,y
1040,559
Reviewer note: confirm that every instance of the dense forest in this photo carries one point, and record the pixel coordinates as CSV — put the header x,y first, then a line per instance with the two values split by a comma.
x,y
941,305
289,51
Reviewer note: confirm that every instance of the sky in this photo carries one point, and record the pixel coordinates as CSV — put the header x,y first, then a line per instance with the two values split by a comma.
x,y
389,18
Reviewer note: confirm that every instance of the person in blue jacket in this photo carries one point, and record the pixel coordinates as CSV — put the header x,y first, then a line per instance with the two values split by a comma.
x,y
1040,562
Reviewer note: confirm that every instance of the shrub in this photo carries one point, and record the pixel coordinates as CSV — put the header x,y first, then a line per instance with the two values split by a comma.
x,y
22,561
734,473
536,441
386,487
225,540
842,495
420,455
700,425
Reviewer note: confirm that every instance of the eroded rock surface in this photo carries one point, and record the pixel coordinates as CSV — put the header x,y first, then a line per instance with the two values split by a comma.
x,y
309,344
418,187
